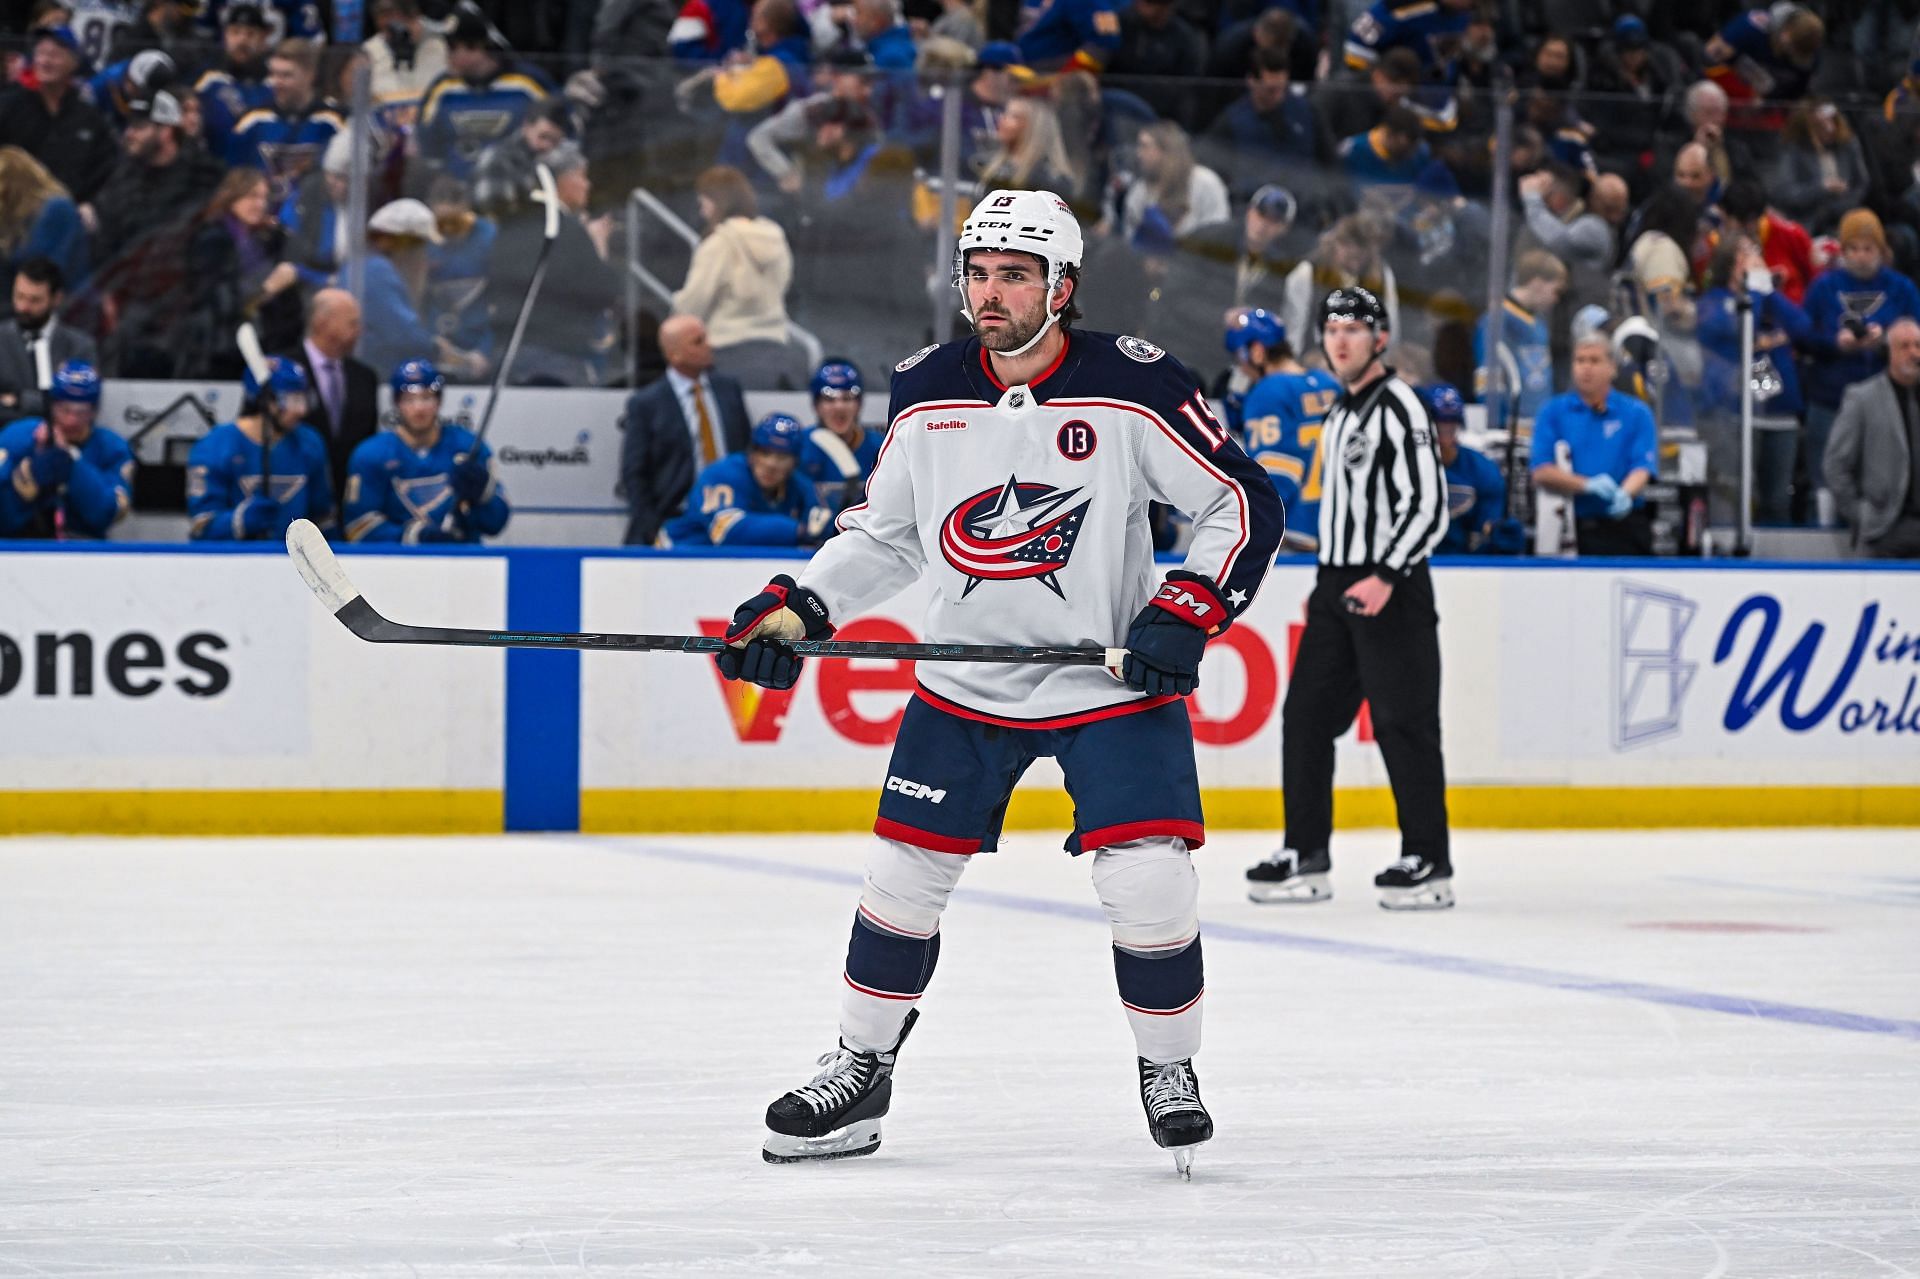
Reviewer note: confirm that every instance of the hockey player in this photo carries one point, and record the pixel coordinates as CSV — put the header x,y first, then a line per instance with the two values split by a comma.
x,y
1016,476
427,481
62,476
1283,415
1475,490
839,453
1372,633
755,498
229,499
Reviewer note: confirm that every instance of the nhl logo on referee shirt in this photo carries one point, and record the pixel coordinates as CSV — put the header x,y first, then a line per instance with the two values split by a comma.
x,y
1013,531
1356,451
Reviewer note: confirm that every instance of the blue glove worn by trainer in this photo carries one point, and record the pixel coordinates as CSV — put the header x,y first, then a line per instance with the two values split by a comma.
x,y
1621,504
762,628
1603,487
259,518
50,469
470,480
1168,638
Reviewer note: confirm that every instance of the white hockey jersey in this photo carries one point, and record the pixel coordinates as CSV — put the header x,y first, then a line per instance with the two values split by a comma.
x,y
1026,508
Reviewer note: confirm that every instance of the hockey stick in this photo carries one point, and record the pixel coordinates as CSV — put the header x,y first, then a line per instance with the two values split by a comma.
x,y
248,340
328,582
548,195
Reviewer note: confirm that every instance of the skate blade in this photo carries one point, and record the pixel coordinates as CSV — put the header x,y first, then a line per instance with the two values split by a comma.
x,y
1435,896
862,1138
1183,1161
1301,888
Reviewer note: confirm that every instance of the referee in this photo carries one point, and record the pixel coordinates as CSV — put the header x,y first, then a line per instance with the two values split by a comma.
x,y
1372,632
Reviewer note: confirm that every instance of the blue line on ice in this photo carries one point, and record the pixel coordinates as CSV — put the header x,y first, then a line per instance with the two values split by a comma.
x,y
1519,974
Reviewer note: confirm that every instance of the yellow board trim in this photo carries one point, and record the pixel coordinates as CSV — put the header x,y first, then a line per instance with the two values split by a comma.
x,y
252,812
1486,807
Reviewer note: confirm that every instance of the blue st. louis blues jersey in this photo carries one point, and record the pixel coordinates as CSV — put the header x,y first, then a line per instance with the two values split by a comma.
x,y
285,18
285,147
395,493
1025,511
1474,492
223,471
838,472
459,119
98,492
1523,345
727,508
225,100
1430,29
1284,412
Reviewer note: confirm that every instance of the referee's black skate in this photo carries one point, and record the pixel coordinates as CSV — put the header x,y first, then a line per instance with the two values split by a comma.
x,y
837,1115
1291,876
1176,1116
1415,882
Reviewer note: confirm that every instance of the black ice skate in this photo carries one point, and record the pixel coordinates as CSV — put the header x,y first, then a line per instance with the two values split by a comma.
x,y
837,1116
1175,1115
1291,876
1415,882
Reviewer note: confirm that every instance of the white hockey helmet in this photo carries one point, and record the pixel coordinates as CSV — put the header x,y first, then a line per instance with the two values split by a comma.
x,y
1036,222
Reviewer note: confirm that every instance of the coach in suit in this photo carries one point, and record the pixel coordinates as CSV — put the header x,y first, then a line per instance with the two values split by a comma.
x,y
345,405
686,419
38,291
1873,455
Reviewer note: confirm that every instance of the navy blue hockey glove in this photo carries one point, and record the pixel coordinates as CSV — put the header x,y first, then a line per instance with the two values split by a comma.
x,y
440,531
259,518
765,625
50,468
470,480
1165,643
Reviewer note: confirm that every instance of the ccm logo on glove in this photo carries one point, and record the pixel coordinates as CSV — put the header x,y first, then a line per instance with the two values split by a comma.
x,y
1192,603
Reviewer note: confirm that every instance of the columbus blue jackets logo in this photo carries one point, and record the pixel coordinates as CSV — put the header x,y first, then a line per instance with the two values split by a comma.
x,y
1012,532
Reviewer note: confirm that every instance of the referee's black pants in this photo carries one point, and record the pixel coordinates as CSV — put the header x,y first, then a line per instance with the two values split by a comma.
x,y
1392,661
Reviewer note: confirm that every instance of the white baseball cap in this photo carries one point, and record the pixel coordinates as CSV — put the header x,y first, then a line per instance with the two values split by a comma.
x,y
406,217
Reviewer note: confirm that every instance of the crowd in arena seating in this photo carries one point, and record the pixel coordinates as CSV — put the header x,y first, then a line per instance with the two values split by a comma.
x,y
1644,177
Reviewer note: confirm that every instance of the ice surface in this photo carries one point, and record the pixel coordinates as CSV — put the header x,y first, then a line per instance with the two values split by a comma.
x,y
1624,1054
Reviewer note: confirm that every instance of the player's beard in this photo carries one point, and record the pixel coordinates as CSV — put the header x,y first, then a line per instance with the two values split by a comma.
x,y
1016,332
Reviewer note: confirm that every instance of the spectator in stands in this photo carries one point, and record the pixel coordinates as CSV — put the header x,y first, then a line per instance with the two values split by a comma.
x,y
1187,194
1554,204
1850,306
1767,55
1519,337
1032,155
1872,459
755,498
1391,154
1349,253
841,77
34,342
1350,110
315,215
504,172
1072,35
1821,172
1272,28
737,282
404,57
1162,50
1268,130
1660,259
344,405
570,328
53,121
37,217
236,272
750,86
286,140
1693,178
162,24
1634,85
162,176
478,101
1476,491
237,84
1432,32
957,22
249,479
1441,245
1609,198
1723,154
457,268
426,481
398,237
1740,274
1783,243
63,476
683,422
888,42
1612,454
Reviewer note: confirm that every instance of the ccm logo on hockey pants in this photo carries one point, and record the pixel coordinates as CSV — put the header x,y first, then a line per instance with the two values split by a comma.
x,y
915,790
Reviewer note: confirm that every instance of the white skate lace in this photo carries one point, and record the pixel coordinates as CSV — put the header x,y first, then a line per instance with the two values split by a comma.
x,y
1171,1089
1410,864
1286,858
836,1085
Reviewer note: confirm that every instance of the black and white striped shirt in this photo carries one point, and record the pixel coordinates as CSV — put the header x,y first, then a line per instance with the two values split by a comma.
x,y
1383,499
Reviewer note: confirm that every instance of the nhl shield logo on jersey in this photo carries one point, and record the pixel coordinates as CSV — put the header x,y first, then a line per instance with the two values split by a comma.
x,y
915,358
1139,349
1011,532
